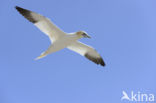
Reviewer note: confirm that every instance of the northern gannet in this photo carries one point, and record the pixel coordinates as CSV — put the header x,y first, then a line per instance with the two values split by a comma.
x,y
60,39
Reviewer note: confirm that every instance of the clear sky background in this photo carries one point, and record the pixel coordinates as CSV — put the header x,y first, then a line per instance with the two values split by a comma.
x,y
122,31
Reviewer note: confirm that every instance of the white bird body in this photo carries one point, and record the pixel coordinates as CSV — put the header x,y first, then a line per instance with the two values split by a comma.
x,y
60,39
59,44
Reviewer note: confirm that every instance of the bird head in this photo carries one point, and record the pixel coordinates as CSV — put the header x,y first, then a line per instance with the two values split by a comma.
x,y
82,34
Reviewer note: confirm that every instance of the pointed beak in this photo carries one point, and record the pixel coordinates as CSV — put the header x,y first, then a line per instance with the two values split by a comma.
x,y
86,36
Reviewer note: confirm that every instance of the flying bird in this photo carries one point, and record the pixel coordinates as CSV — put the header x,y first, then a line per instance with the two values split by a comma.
x,y
59,39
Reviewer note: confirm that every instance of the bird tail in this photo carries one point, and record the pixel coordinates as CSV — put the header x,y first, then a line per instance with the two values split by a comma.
x,y
45,53
41,56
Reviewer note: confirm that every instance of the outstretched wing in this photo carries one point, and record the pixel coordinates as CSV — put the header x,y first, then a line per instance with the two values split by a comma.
x,y
43,23
87,51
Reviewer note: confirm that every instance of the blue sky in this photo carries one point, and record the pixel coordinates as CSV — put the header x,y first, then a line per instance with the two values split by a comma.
x,y
122,31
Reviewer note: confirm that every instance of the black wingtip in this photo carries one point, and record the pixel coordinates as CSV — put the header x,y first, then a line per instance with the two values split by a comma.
x,y
102,63
27,14
97,60
21,10
18,8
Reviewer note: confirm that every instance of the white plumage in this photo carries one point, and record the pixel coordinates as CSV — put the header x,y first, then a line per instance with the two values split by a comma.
x,y
60,39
